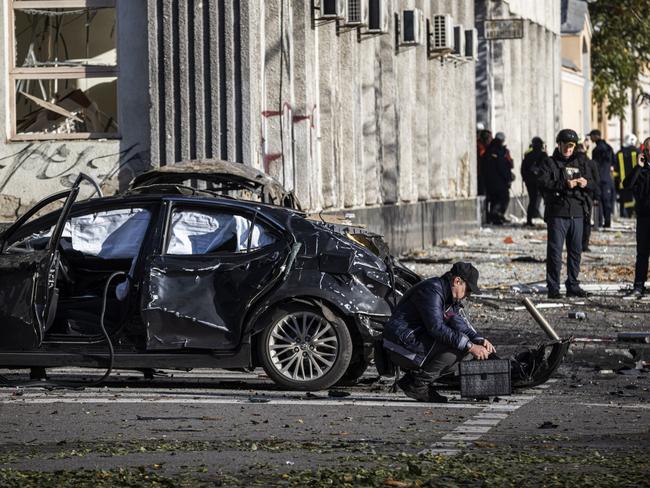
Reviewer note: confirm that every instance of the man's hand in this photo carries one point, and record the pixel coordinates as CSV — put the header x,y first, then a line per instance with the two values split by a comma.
x,y
571,184
479,352
488,345
582,182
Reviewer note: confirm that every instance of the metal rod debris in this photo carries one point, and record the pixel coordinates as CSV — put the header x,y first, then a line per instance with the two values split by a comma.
x,y
540,319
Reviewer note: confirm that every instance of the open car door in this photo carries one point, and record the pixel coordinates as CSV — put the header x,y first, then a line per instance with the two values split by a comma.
x,y
28,276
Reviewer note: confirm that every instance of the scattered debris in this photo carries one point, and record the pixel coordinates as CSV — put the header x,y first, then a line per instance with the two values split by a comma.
x,y
577,315
639,337
547,425
338,393
543,305
508,240
258,400
453,243
528,259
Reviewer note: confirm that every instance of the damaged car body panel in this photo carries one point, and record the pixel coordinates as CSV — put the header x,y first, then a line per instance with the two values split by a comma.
x,y
220,177
214,264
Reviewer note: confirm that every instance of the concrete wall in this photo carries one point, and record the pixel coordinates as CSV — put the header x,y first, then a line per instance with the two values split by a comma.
x,y
518,80
347,122
32,170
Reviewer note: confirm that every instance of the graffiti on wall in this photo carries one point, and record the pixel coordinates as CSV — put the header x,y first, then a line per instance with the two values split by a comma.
x,y
278,137
48,161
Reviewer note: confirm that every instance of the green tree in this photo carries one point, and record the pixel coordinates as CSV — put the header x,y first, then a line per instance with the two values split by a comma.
x,y
620,50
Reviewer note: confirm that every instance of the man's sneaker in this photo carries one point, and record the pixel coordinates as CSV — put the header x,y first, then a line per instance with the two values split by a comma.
x,y
635,293
576,292
554,294
586,249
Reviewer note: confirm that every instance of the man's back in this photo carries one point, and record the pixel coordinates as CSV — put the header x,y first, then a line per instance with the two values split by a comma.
x,y
603,154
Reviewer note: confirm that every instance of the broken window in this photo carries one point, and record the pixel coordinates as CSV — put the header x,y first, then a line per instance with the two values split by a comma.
x,y
110,234
207,232
64,70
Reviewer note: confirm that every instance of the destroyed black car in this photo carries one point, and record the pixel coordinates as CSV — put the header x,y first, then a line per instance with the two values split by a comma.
x,y
163,278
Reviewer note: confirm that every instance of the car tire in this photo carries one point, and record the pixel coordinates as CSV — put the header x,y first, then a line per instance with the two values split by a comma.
x,y
301,348
357,367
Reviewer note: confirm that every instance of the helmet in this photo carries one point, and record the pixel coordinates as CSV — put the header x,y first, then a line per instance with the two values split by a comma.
x,y
567,135
537,142
630,140
501,136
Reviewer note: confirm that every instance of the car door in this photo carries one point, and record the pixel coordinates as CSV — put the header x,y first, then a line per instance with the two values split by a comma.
x,y
213,263
28,276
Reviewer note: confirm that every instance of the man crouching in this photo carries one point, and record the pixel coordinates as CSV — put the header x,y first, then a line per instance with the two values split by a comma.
x,y
428,333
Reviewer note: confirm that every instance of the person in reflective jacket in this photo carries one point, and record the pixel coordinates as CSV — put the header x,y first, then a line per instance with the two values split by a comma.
x,y
428,333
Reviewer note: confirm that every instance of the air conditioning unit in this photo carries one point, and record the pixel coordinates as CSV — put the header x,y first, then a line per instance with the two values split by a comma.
x,y
412,27
442,35
356,12
332,9
471,44
378,17
459,40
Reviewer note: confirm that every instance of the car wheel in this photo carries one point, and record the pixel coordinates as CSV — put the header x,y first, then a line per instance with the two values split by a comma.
x,y
353,373
300,348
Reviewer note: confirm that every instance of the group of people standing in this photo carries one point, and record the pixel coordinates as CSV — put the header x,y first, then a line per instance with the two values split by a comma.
x,y
573,186
428,332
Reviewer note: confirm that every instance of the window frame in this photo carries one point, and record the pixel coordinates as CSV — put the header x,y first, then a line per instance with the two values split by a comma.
x,y
55,73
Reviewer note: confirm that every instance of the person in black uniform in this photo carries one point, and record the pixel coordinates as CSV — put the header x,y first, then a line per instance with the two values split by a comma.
x,y
638,181
565,180
592,197
603,154
497,175
529,171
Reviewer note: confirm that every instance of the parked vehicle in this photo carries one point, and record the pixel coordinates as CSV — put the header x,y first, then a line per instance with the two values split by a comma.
x,y
173,276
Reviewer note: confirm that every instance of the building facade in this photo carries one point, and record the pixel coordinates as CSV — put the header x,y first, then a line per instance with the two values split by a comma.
x,y
366,122
577,106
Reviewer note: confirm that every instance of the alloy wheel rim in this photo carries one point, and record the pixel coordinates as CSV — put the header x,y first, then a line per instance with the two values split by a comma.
x,y
303,346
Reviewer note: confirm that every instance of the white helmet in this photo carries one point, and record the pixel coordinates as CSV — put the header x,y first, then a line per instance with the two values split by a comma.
x,y
630,140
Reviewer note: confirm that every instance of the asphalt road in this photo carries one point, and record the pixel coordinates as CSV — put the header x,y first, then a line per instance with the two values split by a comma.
x,y
235,429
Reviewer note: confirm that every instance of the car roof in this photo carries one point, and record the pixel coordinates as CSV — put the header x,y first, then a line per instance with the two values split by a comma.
x,y
225,175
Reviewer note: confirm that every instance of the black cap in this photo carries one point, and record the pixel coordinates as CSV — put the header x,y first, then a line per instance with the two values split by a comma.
x,y
469,274
567,135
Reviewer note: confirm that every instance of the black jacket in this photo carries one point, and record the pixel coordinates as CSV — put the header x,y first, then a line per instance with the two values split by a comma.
x,y
427,315
560,201
595,195
603,154
497,168
530,165
639,182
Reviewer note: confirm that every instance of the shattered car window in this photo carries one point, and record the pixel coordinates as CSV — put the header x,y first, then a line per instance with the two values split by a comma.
x,y
203,232
113,234
31,243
